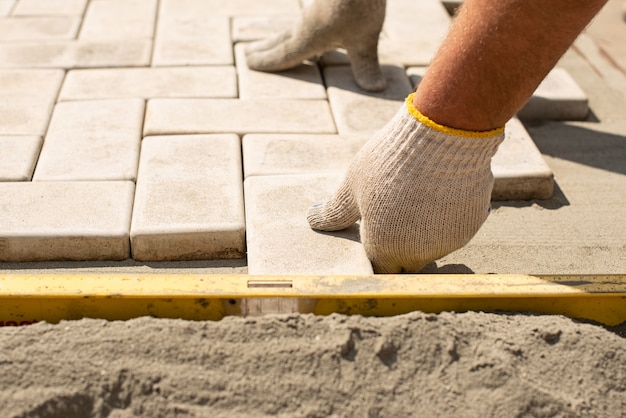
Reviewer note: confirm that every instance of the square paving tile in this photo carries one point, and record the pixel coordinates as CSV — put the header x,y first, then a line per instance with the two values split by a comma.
x,y
249,28
50,8
65,221
189,199
279,238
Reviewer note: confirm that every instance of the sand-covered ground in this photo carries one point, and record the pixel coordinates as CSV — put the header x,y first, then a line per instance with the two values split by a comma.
x,y
421,365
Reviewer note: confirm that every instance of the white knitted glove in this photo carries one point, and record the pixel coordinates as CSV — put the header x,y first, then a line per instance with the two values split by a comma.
x,y
421,190
324,26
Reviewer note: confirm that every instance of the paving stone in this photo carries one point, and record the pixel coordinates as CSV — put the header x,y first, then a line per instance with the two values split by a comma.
x,y
189,199
31,83
196,40
214,8
38,28
410,19
119,19
268,154
249,28
191,116
278,237
519,169
26,100
558,97
214,81
358,111
302,82
24,116
50,8
18,155
75,54
92,140
43,221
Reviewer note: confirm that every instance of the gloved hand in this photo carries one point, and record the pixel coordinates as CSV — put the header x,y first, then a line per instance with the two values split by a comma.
x,y
326,25
421,190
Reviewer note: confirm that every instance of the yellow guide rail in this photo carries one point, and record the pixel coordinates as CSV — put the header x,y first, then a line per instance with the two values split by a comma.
x,y
28,298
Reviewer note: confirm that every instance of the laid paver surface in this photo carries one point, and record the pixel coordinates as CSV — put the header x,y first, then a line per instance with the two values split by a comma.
x,y
134,130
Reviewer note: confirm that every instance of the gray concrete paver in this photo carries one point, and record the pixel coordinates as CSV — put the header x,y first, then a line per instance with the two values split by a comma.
x,y
189,199
92,140
65,220
211,81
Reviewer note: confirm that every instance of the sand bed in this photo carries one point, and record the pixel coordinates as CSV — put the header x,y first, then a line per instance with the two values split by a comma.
x,y
457,365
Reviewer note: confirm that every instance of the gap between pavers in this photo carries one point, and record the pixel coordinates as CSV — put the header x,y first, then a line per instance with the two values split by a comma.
x,y
278,237
92,140
46,221
189,199
159,82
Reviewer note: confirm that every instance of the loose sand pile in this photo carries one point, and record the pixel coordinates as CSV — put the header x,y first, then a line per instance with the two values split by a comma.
x,y
456,365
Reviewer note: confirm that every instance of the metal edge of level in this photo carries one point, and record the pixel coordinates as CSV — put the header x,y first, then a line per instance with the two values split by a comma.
x,y
27,298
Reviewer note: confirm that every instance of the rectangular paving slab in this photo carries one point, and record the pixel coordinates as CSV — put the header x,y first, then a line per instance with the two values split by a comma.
x,y
50,8
189,199
357,111
268,154
18,155
191,116
65,220
192,40
518,167
26,100
558,97
278,237
213,81
75,54
41,28
119,19
191,8
249,28
301,82
92,140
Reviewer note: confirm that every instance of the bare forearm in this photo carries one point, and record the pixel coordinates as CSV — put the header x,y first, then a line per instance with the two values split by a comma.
x,y
495,56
